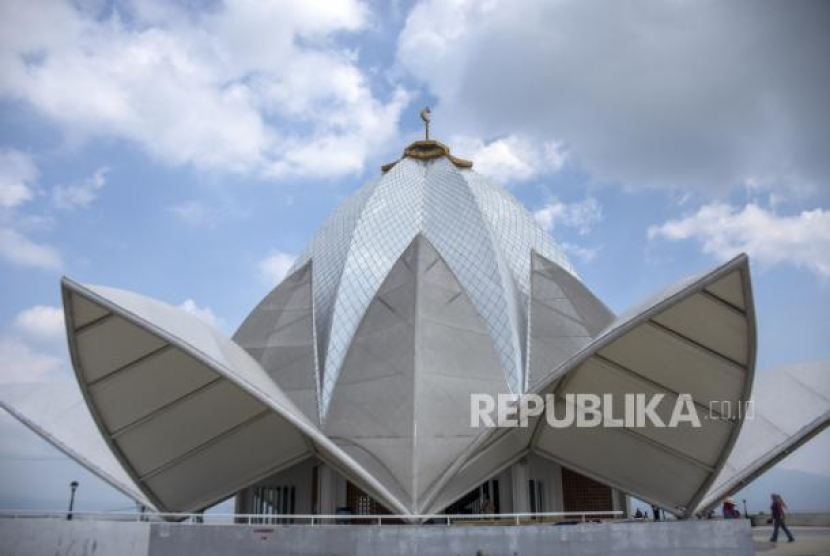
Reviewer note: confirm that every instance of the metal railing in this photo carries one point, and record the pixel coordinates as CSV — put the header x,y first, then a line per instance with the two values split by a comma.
x,y
313,520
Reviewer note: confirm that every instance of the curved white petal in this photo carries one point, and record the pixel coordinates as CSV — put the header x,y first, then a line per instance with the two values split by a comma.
x,y
697,338
401,407
56,411
791,406
190,415
279,334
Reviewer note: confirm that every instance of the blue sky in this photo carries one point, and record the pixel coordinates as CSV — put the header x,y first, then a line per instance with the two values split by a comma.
x,y
188,151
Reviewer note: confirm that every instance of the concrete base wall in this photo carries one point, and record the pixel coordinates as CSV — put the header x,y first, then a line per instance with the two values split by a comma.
x,y
33,537
53,537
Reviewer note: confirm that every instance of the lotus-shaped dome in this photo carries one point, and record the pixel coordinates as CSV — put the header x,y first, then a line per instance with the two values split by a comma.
x,y
482,233
417,295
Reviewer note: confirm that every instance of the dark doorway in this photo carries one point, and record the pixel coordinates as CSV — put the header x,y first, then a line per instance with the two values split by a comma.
x,y
473,501
583,494
360,503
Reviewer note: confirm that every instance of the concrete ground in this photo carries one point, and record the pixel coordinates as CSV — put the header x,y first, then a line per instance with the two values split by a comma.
x,y
809,541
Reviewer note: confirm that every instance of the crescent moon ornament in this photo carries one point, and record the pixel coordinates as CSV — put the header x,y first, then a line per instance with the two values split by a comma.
x,y
426,116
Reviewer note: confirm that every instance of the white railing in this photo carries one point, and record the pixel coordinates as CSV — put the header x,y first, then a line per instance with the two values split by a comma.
x,y
308,519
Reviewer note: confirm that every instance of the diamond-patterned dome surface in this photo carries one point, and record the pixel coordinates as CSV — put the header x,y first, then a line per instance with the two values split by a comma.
x,y
482,232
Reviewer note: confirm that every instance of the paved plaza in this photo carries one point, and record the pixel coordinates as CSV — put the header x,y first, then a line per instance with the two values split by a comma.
x,y
809,541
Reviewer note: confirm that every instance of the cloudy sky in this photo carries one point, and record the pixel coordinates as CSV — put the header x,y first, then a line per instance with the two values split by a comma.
x,y
187,151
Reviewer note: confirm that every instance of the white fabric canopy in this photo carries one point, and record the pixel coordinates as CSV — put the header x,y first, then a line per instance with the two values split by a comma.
x,y
791,406
57,412
190,415
698,338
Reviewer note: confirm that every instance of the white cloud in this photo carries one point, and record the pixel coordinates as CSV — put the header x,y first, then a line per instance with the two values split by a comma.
x,y
204,314
82,194
662,94
273,268
556,155
17,172
723,231
21,251
585,254
582,215
201,214
41,322
510,158
250,87
19,362
547,215
194,213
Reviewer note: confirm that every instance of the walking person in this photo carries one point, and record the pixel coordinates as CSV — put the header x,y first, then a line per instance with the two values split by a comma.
x,y
779,517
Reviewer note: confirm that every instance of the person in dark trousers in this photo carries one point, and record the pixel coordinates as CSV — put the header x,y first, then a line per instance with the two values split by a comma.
x,y
779,518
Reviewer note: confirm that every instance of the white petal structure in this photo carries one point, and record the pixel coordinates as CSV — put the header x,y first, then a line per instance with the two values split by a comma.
x,y
189,414
401,404
428,285
696,338
791,406
58,413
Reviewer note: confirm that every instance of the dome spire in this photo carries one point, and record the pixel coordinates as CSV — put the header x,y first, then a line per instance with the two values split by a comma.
x,y
425,115
428,149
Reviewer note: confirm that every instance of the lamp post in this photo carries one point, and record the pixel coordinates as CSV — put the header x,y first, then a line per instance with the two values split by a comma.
x,y
74,486
746,513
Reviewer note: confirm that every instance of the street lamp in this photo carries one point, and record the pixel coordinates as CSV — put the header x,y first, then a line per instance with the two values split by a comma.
x,y
74,486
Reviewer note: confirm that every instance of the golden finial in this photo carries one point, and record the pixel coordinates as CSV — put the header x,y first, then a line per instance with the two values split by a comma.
x,y
428,149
